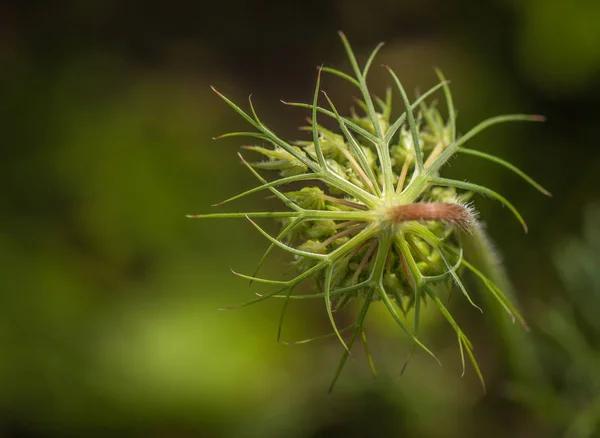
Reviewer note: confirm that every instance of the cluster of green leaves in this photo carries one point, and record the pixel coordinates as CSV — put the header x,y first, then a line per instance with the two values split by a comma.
x,y
338,228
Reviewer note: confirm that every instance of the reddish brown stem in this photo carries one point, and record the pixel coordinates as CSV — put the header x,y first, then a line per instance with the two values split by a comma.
x,y
364,261
432,211
344,202
343,234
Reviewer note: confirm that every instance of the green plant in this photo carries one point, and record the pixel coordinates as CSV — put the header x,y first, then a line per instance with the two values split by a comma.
x,y
566,391
382,224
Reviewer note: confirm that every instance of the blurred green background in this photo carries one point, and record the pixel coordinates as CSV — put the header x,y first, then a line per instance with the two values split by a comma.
x,y
109,295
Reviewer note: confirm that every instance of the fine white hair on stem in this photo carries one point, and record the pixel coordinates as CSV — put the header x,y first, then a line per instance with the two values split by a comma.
x,y
462,215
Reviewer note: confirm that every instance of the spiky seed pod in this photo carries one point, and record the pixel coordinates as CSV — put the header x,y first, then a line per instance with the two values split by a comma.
x,y
382,224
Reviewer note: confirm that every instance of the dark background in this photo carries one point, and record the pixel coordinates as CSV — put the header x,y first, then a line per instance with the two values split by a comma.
x,y
109,295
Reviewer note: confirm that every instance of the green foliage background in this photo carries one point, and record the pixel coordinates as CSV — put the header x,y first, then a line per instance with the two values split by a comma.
x,y
109,295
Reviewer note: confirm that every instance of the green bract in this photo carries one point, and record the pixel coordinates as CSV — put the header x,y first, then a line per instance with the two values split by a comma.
x,y
381,224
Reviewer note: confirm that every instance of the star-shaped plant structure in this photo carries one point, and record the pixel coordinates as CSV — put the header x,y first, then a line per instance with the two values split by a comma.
x,y
374,220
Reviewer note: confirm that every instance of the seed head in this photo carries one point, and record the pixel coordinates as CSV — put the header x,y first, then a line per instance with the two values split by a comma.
x,y
374,220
